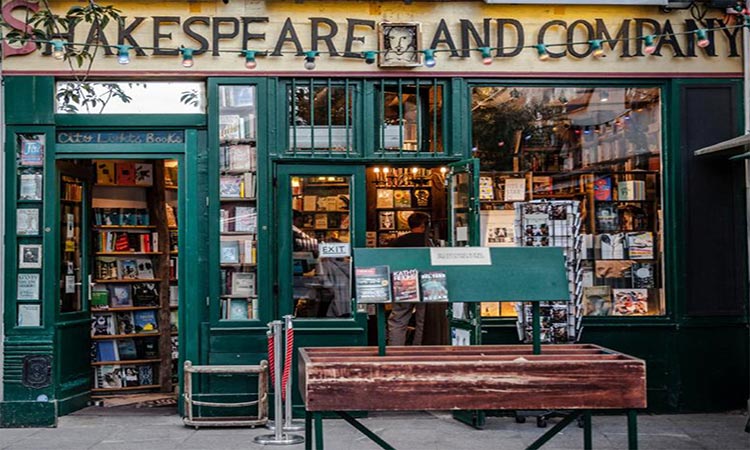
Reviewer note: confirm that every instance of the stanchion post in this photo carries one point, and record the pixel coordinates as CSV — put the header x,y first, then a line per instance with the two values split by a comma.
x,y
288,416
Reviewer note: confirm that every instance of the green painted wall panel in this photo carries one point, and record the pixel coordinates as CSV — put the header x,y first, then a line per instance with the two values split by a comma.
x,y
29,100
28,414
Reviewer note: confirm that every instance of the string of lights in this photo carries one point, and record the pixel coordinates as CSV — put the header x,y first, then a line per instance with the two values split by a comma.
x,y
650,45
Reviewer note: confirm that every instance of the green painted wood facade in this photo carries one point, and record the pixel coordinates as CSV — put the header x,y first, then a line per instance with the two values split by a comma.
x,y
695,362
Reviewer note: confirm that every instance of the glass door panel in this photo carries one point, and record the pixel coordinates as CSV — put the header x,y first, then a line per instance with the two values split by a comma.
x,y
72,287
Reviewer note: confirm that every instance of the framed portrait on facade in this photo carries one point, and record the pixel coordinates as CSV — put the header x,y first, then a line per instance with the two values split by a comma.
x,y
399,44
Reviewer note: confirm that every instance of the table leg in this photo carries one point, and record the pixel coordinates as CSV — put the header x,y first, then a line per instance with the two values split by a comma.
x,y
632,429
308,430
318,418
587,440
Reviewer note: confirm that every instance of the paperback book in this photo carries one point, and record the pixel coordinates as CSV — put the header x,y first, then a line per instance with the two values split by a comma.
x,y
630,302
434,286
373,284
405,285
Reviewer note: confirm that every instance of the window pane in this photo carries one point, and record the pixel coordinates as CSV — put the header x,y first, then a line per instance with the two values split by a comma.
x,y
412,117
320,117
600,147
124,97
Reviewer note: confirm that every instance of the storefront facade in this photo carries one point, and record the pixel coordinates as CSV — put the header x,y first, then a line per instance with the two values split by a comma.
x,y
309,126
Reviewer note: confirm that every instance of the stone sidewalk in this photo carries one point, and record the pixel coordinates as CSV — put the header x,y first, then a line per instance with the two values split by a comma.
x,y
161,428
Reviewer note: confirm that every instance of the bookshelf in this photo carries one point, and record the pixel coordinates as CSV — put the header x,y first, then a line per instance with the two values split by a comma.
x,y
324,204
238,209
134,216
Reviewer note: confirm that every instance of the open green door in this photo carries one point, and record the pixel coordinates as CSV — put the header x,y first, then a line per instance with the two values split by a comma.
x,y
463,204
72,282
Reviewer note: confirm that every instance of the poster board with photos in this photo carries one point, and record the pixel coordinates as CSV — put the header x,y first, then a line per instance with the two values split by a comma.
x,y
514,274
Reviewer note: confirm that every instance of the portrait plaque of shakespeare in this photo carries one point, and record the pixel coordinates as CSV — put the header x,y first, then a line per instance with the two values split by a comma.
x,y
399,45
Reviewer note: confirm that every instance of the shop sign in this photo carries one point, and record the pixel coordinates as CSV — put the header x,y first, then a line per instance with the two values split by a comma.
x,y
460,256
121,137
334,250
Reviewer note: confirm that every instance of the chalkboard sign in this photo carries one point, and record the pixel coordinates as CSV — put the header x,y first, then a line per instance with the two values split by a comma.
x,y
373,284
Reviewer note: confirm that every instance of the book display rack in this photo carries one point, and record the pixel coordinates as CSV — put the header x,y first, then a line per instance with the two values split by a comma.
x,y
238,221
134,294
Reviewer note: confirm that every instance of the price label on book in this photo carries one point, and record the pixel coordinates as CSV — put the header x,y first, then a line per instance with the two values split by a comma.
x,y
460,256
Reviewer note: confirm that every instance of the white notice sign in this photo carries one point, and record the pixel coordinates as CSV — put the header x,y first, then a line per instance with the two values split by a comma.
x,y
460,256
333,250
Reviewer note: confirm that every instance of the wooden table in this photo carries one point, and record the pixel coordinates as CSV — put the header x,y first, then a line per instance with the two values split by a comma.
x,y
578,377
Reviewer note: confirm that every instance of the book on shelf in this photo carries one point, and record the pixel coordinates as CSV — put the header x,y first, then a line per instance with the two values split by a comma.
x,y
630,302
611,245
245,219
309,202
241,157
146,374
238,309
145,321
497,228
486,188
373,284
514,190
120,295
173,268
384,198
402,220
405,285
401,198
170,175
127,269
106,350
103,324
144,174
489,309
385,238
125,173
174,321
597,301
614,273
105,172
174,242
106,268
28,286
171,213
243,284
129,376
606,217
229,127
321,221
631,190
108,377
230,186
148,348
643,275
127,350
640,245
541,185
145,268
229,252
434,286
603,188
124,322
174,295
30,186
145,294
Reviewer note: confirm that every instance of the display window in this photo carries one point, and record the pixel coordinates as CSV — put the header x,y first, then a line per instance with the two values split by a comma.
x,y
411,117
597,150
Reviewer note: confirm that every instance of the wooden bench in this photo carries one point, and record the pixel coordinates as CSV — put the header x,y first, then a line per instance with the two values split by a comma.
x,y
581,378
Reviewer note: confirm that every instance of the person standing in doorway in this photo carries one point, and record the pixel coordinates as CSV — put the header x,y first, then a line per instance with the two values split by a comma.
x,y
401,313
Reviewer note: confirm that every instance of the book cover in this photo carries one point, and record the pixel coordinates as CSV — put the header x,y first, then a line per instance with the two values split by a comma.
x,y
541,185
145,294
144,174
103,324
171,212
489,309
124,322
105,172
641,245
515,190
631,190
174,295
238,309
126,349
145,321
27,287
597,301
27,221
144,268
29,256
402,220
120,295
497,228
321,221
109,377
148,348
643,275
486,188
372,284
240,158
603,189
32,152
401,198
127,269
230,252
129,376
146,375
384,198
606,217
106,351
230,186
386,220
612,246
434,286
245,219
630,302
405,285
30,186
229,127
106,268
174,321
243,283
110,216
125,173
385,238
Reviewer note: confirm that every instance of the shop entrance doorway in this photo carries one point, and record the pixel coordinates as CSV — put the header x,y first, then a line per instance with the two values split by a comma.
x,y
116,274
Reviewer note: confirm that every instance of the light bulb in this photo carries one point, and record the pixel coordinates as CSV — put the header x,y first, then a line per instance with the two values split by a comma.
x,y
310,59
386,170
429,58
703,40
58,50
650,47
123,54
187,57
541,51
443,170
414,170
370,57
250,62
376,169
596,47
486,55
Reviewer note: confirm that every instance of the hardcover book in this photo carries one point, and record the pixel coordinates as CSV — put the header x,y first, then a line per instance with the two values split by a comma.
x,y
126,349
103,324
643,275
434,286
238,309
606,217
109,377
641,245
612,246
105,172
230,252
321,221
145,294
120,295
243,283
372,284
597,301
630,302
603,189
106,268
125,324
230,186
145,268
144,174
405,285
125,173
106,351
145,375
127,269
145,321
515,190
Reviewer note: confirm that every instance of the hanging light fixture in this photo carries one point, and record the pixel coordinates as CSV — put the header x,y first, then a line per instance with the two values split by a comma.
x,y
650,46
123,54
250,62
703,40
596,48
486,55
541,51
370,56
187,57
58,49
310,59
429,58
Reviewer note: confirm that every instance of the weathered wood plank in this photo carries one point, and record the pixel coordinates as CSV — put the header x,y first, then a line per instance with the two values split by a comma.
x,y
476,377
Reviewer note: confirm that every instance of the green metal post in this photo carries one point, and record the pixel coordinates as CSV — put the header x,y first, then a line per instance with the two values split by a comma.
x,y
553,431
536,328
318,418
381,329
308,430
632,429
587,441
364,430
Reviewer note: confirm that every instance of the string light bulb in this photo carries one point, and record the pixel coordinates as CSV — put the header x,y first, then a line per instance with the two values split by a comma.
x,y
486,55
650,47
58,49
370,56
187,57
429,58
250,62
541,51
443,170
703,40
310,59
123,54
596,48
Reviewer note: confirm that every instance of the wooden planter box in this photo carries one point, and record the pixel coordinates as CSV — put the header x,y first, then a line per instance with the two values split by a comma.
x,y
474,377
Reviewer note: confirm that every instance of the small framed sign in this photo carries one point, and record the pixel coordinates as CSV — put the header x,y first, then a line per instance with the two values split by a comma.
x,y
29,256
32,151
399,44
